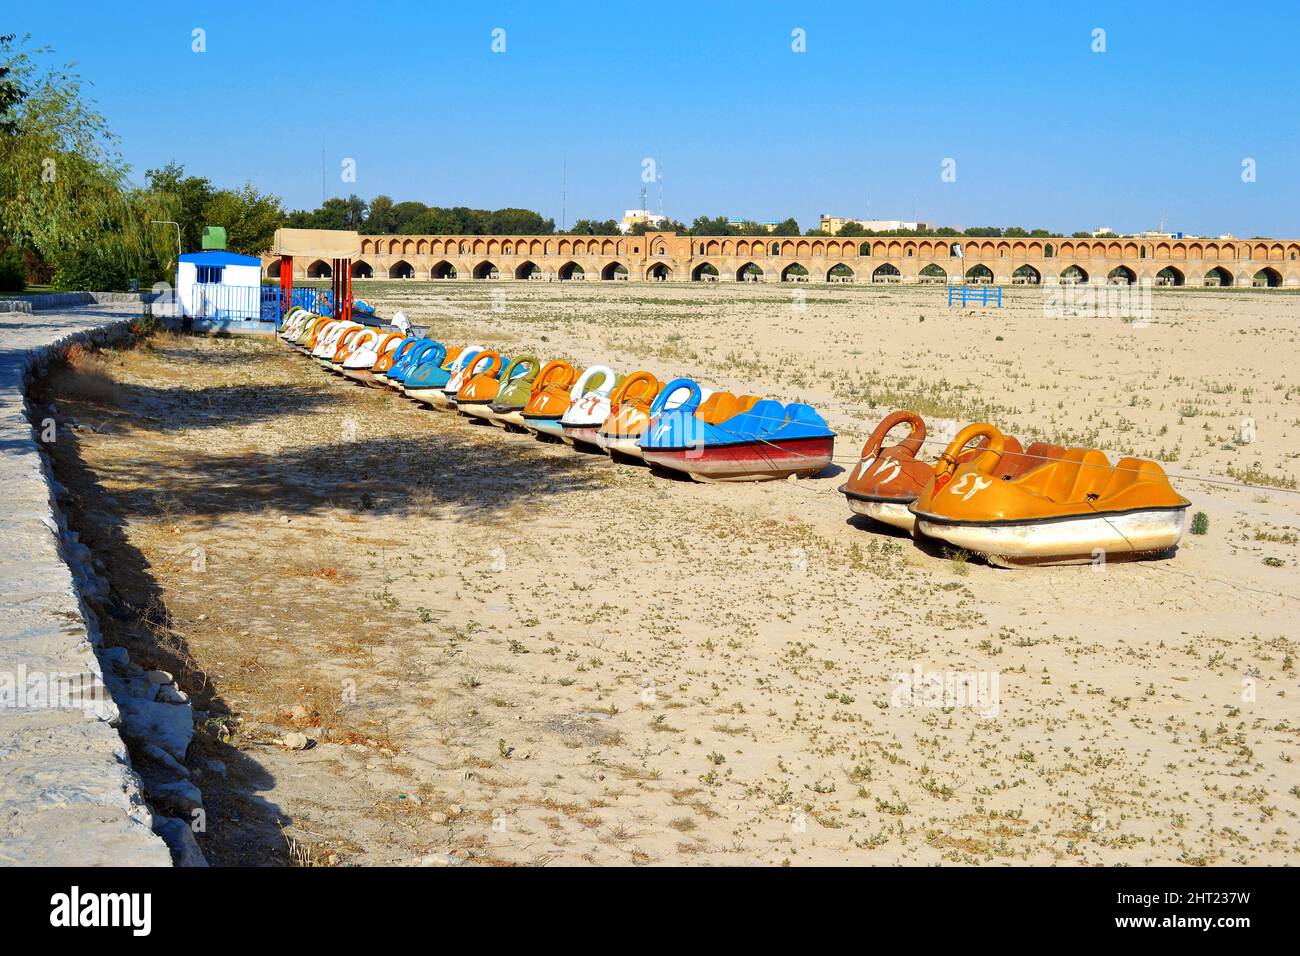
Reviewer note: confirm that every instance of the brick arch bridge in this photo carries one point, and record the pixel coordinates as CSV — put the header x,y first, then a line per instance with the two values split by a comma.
x,y
666,256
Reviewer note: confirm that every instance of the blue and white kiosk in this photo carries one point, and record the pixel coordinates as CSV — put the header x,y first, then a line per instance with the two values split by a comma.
x,y
219,286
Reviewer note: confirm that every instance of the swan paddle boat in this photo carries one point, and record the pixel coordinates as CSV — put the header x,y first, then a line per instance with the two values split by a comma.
x,y
355,340
360,363
422,351
545,408
886,481
1066,511
427,385
738,438
620,433
429,371
556,377
476,396
486,360
592,397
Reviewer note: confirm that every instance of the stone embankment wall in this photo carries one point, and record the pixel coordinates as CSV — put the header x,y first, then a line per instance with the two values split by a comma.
x,y
68,792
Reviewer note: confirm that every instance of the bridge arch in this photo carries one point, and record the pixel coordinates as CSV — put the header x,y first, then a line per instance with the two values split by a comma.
x,y
569,270
273,268
1267,277
525,269
749,272
840,272
1028,274
1074,274
1170,276
1121,275
362,270
484,269
401,269
320,269
979,273
613,270
886,272
793,269
442,269
659,272
702,270
933,273
1218,276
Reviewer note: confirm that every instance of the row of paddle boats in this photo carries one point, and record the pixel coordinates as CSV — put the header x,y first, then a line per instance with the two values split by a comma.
x,y
678,425
985,494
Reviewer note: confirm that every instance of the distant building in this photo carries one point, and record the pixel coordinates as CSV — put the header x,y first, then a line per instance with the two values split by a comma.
x,y
636,217
833,224
767,225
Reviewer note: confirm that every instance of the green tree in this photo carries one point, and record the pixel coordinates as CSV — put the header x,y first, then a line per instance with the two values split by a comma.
x,y
851,229
594,227
191,195
787,227
250,218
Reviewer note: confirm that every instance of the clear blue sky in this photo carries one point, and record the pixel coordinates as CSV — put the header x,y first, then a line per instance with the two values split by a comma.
x,y
1044,131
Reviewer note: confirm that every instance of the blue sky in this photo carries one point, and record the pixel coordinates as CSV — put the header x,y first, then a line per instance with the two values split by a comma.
x,y
1044,131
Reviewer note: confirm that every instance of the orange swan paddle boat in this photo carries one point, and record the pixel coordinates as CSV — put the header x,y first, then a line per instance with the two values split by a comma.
x,y
551,385
886,481
1070,510
477,394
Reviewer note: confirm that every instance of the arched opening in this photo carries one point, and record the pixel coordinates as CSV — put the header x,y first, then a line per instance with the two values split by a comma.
x,y
361,270
705,272
864,249
1048,251
527,270
1267,278
749,273
954,250
273,269
442,270
401,269
932,273
776,249
571,270
839,273
1169,276
658,272
981,274
1121,275
885,272
486,270
1073,275
794,273
1026,275
615,270
320,269
1218,276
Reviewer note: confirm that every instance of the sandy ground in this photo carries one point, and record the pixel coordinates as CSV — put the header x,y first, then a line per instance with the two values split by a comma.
x,y
508,652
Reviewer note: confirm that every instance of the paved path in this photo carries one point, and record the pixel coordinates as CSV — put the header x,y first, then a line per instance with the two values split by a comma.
x,y
67,794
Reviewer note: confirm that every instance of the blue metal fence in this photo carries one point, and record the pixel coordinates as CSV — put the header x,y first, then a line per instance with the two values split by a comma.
x,y
226,303
970,294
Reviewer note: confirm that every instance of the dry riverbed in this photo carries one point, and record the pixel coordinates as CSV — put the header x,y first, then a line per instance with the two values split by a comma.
x,y
506,652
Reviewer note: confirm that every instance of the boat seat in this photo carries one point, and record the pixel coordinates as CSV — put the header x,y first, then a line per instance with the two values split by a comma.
x,y
723,405
1077,474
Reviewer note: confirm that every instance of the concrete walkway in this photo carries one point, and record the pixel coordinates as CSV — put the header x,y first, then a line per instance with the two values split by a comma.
x,y
67,794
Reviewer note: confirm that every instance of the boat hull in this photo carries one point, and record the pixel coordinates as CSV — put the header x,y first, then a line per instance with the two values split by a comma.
x,y
746,461
481,410
893,513
581,435
507,418
549,427
621,445
1074,540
